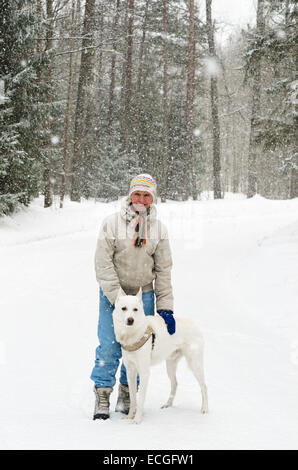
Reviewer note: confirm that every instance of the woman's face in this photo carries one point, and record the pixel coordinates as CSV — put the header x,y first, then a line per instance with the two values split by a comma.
x,y
141,200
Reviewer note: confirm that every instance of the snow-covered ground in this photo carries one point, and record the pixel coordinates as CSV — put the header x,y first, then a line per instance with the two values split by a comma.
x,y
235,271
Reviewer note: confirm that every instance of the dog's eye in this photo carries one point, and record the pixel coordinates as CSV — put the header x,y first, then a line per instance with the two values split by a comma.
x,y
124,308
135,309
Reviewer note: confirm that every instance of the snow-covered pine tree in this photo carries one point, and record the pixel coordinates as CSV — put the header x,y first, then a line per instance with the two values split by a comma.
x,y
279,127
20,106
274,117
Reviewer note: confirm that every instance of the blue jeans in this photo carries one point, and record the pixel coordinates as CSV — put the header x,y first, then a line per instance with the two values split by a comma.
x,y
108,353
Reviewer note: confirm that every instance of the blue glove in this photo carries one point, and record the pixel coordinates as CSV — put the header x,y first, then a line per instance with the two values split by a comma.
x,y
169,319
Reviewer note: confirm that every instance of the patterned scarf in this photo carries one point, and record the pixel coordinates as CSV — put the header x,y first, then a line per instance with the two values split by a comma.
x,y
140,226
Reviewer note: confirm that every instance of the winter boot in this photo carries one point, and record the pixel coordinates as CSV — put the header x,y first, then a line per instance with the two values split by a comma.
x,y
102,403
123,401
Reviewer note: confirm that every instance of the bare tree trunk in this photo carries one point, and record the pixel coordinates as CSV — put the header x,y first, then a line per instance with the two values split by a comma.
x,y
84,77
189,106
128,74
67,113
48,189
164,166
139,85
123,71
188,164
229,157
256,106
99,64
235,166
113,64
38,45
214,106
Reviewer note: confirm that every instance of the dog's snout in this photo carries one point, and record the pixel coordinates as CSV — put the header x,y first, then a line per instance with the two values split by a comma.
x,y
129,321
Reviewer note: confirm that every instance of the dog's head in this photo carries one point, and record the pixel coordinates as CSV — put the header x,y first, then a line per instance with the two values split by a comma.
x,y
128,311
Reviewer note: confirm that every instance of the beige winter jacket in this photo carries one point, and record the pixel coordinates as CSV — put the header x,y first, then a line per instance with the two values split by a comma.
x,y
119,262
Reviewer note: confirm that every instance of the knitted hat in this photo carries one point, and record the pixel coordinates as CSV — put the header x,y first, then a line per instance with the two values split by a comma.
x,y
143,182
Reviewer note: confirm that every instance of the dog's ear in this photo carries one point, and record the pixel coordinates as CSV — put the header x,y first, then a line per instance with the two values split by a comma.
x,y
139,294
121,293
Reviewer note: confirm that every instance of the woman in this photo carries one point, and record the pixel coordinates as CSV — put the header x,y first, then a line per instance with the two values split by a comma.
x,y
132,251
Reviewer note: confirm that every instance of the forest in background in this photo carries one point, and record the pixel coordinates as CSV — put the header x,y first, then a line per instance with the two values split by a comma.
x,y
93,92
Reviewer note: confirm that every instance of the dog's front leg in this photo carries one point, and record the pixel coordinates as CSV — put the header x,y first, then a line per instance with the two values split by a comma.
x,y
144,377
131,373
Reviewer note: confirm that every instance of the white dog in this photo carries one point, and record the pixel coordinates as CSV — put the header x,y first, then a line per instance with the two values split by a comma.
x,y
145,341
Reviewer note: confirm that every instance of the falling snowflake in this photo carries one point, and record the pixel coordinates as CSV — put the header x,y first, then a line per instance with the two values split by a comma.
x,y
280,33
212,66
55,139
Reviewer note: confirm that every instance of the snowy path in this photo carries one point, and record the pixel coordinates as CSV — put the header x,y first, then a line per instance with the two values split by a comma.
x,y
235,271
